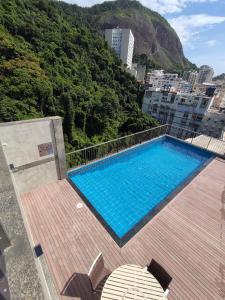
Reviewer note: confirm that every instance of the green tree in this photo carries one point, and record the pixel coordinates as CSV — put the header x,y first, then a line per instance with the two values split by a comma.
x,y
68,121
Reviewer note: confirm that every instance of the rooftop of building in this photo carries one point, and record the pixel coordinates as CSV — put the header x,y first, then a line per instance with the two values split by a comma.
x,y
186,237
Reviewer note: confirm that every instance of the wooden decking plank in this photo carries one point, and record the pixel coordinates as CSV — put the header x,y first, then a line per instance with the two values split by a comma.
x,y
186,237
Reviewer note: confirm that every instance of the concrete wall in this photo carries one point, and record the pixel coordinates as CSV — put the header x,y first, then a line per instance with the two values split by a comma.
x,y
21,142
31,154
20,269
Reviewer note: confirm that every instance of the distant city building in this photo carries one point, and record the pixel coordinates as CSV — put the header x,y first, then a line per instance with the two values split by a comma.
x,y
191,77
219,99
206,88
192,111
205,74
141,71
213,123
186,75
169,81
122,41
138,71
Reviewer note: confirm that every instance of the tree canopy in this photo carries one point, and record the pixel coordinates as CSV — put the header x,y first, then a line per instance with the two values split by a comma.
x,y
52,64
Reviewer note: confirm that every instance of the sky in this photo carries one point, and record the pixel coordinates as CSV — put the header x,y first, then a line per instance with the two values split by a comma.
x,y
200,24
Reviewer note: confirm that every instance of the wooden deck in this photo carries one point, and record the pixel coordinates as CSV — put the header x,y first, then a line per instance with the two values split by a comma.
x,y
187,238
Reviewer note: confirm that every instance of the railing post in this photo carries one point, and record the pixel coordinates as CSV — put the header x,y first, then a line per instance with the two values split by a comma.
x,y
85,157
160,131
209,142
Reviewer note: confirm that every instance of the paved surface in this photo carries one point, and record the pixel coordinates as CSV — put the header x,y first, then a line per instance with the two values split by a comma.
x,y
210,143
4,288
187,238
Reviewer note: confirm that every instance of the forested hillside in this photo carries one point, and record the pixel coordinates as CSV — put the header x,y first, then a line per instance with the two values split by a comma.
x,y
154,37
51,65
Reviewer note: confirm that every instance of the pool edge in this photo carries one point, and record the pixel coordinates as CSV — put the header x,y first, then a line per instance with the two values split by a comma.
x,y
149,216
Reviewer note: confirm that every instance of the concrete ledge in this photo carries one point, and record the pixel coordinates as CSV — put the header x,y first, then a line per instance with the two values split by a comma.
x,y
29,121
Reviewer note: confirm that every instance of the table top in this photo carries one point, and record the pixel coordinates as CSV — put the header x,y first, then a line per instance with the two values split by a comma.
x,y
132,282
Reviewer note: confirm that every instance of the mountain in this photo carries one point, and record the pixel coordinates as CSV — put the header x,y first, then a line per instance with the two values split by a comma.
x,y
219,77
153,34
54,63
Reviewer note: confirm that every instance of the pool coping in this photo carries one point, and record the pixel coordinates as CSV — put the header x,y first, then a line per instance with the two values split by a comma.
x,y
149,216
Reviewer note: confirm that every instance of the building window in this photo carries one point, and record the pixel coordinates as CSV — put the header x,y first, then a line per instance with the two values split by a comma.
x,y
155,107
171,118
197,117
173,98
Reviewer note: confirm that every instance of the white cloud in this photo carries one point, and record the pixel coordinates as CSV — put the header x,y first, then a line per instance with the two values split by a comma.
x,y
211,43
170,6
189,27
161,6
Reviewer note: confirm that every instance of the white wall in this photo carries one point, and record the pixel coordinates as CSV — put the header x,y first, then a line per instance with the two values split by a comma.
x,y
20,142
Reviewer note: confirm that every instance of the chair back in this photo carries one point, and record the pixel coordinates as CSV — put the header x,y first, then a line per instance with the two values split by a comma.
x,y
160,274
96,271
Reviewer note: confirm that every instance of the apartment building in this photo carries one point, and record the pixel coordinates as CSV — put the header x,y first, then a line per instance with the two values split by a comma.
x,y
213,123
187,110
191,77
122,41
216,89
205,88
205,74
159,79
180,109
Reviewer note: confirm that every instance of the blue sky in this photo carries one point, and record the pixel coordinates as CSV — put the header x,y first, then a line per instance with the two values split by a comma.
x,y
200,25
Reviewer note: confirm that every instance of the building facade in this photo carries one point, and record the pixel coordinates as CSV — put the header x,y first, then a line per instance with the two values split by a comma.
x,y
179,109
122,41
191,77
213,123
185,110
157,79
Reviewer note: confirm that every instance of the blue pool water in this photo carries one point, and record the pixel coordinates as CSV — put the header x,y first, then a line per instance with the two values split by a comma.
x,y
125,188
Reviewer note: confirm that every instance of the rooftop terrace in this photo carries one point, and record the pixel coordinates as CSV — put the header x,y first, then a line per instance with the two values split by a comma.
x,y
186,237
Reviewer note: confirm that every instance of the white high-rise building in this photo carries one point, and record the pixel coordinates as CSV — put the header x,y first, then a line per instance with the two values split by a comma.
x,y
122,41
205,74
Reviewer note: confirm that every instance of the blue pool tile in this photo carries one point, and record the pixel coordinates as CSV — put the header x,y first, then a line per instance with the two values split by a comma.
x,y
125,188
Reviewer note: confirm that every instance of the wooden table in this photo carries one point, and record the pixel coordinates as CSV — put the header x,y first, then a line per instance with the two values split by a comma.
x,y
132,282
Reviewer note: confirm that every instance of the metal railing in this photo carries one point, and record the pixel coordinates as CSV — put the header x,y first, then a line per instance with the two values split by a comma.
x,y
198,139
89,154
92,153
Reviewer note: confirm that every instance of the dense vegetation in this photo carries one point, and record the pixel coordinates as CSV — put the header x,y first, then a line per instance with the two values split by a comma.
x,y
54,64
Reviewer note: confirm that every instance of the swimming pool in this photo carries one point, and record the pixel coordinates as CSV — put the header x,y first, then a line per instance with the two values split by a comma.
x,y
126,190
